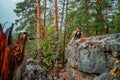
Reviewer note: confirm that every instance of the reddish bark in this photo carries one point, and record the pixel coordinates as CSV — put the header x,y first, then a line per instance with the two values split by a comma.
x,y
10,56
2,48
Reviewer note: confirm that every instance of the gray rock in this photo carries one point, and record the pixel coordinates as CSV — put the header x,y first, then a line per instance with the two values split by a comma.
x,y
33,71
105,76
92,55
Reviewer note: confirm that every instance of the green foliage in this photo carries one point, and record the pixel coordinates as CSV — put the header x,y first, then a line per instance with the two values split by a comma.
x,y
48,46
26,11
117,18
88,15
15,37
95,20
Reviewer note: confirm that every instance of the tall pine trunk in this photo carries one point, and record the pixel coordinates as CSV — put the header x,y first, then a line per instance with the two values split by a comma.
x,y
45,13
44,27
63,53
56,19
86,14
62,17
57,37
38,32
107,28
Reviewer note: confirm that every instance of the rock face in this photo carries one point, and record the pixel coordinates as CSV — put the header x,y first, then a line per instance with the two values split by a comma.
x,y
32,71
105,76
89,58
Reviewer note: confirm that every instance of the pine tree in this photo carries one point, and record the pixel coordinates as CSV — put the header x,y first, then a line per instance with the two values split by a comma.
x,y
64,40
38,19
57,35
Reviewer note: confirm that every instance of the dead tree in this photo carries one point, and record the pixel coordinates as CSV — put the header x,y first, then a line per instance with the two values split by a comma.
x,y
11,56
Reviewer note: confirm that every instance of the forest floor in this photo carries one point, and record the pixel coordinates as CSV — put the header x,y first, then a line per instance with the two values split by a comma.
x,y
63,74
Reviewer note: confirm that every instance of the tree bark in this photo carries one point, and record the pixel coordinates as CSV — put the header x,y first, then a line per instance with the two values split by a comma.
x,y
62,17
39,31
86,14
11,56
44,27
107,28
56,19
63,53
45,13
57,37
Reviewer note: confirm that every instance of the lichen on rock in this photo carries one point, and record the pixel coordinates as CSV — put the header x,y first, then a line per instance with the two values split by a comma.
x,y
33,71
92,55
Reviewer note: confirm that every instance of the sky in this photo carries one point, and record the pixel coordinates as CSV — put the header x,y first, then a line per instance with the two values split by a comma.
x,y
6,11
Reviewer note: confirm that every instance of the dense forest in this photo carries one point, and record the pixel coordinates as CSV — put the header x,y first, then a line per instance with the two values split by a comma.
x,y
54,21
50,23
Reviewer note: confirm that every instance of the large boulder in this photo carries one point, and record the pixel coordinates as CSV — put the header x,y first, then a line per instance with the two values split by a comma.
x,y
30,70
34,72
92,55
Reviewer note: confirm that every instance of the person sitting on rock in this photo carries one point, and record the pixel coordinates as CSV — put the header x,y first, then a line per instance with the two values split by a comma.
x,y
76,35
